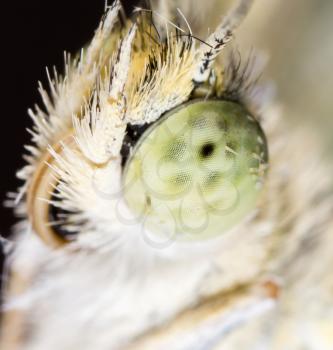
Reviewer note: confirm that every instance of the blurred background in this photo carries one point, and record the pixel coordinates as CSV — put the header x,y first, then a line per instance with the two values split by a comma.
x,y
297,36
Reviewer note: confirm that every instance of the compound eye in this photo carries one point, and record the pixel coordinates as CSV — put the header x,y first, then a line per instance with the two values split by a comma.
x,y
198,171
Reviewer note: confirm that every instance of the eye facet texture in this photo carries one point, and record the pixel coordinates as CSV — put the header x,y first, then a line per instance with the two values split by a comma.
x,y
198,171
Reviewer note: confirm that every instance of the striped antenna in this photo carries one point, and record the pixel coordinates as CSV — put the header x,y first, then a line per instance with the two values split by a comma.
x,y
217,40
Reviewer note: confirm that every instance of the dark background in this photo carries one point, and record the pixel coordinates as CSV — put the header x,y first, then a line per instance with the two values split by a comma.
x,y
34,36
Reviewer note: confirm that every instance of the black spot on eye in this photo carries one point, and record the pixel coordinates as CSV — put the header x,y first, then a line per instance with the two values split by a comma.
x,y
207,150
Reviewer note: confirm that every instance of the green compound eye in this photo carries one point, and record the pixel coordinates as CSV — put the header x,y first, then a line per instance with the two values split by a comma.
x,y
198,171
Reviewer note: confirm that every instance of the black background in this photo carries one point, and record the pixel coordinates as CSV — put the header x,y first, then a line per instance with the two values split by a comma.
x,y
34,35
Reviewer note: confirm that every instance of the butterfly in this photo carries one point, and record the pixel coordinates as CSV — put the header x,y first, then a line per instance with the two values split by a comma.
x,y
162,207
